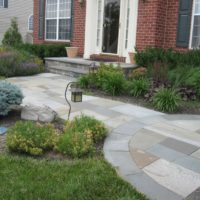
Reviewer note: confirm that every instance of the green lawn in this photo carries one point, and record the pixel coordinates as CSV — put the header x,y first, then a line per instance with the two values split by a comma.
x,y
24,178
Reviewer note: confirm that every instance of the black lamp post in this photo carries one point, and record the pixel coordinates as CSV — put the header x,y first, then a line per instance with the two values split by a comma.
x,y
76,95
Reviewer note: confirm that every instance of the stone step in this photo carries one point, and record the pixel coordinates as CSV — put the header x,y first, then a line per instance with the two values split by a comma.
x,y
76,67
68,67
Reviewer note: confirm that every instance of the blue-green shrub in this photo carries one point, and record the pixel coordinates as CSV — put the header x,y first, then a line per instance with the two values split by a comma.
x,y
9,95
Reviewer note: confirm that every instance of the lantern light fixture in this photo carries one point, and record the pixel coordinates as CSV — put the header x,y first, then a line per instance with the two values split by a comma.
x,y
76,95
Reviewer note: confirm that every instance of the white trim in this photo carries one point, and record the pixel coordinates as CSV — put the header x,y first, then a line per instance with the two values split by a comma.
x,y
192,25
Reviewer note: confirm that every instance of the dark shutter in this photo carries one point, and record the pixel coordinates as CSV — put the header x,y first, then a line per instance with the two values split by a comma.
x,y
5,3
41,19
72,20
184,21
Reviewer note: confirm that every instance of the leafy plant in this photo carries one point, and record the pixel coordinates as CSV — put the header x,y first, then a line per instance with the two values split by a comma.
x,y
139,87
9,95
15,63
80,135
166,100
138,73
31,138
193,80
87,81
44,50
76,144
12,37
110,79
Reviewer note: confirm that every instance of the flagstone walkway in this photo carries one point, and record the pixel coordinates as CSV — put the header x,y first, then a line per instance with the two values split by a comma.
x,y
158,154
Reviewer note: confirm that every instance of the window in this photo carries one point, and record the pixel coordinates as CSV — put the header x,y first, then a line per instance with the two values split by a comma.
x,y
1,3
58,19
127,24
196,25
30,23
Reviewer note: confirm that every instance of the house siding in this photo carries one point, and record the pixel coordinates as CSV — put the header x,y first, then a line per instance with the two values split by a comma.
x,y
21,9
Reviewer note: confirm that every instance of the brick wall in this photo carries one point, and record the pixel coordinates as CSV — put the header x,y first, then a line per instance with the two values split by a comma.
x,y
157,24
78,26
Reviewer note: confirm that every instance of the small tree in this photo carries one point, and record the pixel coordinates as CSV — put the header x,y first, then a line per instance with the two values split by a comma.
x,y
12,37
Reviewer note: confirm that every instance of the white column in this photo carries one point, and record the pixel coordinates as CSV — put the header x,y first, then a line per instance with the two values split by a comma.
x,y
90,28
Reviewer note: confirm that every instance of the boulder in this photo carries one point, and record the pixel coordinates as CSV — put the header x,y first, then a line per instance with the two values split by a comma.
x,y
37,113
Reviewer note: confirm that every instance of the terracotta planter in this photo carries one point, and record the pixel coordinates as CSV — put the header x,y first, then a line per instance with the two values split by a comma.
x,y
132,57
72,52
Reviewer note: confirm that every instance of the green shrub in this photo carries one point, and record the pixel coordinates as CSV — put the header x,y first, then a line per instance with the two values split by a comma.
x,y
110,79
15,63
80,135
138,73
87,81
12,37
149,56
166,100
9,95
44,50
76,144
193,80
139,87
31,138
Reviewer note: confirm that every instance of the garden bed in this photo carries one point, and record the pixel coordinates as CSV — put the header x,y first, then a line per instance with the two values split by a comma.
x,y
192,107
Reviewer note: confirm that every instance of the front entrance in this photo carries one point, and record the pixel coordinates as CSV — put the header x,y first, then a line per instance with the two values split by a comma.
x,y
111,26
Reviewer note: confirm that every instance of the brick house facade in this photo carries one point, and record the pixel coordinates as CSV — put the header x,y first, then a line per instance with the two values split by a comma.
x,y
141,24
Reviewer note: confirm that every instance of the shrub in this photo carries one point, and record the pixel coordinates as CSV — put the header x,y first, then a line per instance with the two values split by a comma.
x,y
31,138
12,37
193,80
76,144
139,87
87,81
80,135
9,95
15,63
138,73
149,56
110,79
166,100
83,122
44,50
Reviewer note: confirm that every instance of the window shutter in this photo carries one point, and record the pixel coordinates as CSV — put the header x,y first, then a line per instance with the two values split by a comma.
x,y
41,18
72,20
5,3
184,21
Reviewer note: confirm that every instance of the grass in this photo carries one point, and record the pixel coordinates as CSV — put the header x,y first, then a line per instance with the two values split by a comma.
x,y
24,178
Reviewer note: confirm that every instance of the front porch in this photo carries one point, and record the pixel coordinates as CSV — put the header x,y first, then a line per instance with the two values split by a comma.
x,y
76,67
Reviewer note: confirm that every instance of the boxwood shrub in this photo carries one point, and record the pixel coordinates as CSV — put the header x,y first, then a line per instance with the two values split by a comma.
x,y
44,50
31,138
80,136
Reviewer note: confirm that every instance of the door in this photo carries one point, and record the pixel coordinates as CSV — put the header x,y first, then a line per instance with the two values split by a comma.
x,y
111,26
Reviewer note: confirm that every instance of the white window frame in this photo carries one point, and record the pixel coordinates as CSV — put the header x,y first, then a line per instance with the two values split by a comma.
x,y
2,5
192,24
29,23
57,27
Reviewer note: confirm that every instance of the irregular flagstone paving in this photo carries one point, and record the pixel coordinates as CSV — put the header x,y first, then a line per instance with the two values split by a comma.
x,y
158,154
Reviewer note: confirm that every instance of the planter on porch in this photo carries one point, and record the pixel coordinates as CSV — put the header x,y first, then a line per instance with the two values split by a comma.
x,y
132,57
72,52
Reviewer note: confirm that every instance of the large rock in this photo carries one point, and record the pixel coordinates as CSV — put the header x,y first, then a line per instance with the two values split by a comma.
x,y
36,113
